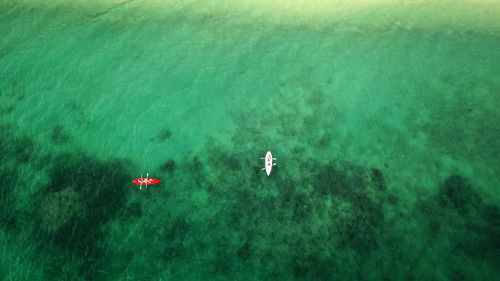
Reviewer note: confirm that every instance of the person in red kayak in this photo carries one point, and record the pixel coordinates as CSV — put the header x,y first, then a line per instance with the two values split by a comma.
x,y
145,181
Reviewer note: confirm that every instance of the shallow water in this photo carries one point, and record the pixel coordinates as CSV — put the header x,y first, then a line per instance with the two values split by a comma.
x,y
385,133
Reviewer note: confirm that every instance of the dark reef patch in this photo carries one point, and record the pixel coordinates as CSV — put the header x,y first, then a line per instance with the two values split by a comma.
x,y
244,251
83,194
377,180
172,251
459,209
164,135
177,229
132,210
302,207
175,233
197,163
58,135
24,148
224,259
229,162
8,215
168,166
392,199
14,147
457,275
15,150
483,239
330,180
358,228
5,110
312,267
435,226
457,193
302,265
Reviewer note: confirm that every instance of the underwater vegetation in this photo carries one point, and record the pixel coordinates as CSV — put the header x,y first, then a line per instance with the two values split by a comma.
x,y
459,215
290,227
476,221
7,200
328,224
59,208
83,194
67,214
15,151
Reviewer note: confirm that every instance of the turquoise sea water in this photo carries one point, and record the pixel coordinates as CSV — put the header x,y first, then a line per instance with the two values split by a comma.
x,y
386,138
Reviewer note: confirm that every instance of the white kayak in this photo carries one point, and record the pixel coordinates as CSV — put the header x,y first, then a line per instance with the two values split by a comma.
x,y
268,162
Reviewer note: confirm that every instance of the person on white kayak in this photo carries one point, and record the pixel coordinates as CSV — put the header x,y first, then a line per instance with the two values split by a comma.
x,y
268,162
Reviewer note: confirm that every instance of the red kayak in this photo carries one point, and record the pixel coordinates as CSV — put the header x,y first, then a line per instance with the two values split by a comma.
x,y
145,181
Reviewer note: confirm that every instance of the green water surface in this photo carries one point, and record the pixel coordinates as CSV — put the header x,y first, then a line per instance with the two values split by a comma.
x,y
386,139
